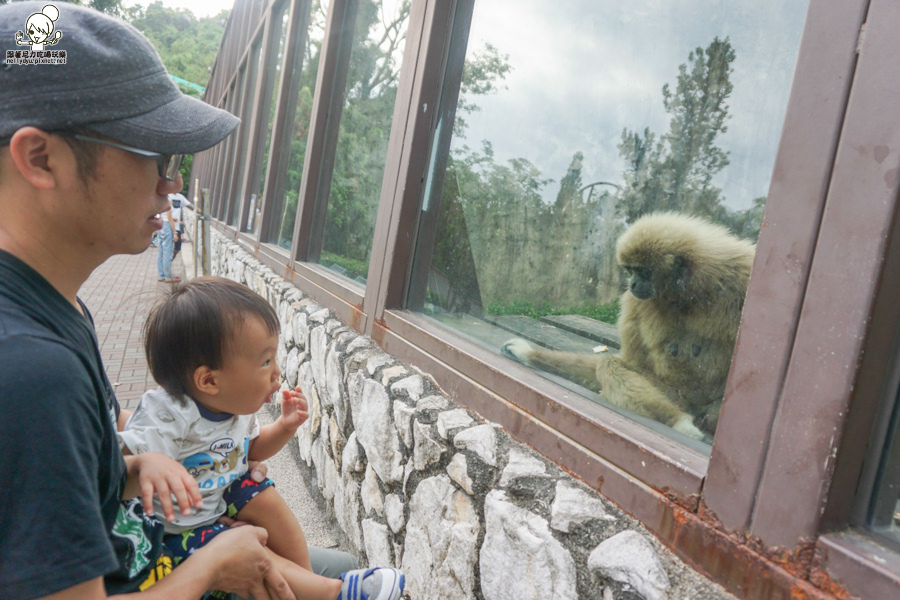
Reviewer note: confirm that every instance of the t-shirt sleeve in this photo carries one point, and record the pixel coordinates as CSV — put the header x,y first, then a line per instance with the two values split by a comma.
x,y
52,533
154,427
253,428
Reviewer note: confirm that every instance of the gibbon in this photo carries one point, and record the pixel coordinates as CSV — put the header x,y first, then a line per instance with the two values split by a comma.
x,y
687,279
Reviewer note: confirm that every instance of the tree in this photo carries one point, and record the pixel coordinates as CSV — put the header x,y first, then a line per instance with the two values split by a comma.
x,y
676,172
110,7
187,44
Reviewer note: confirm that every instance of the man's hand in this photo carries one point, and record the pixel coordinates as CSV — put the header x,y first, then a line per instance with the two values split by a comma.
x,y
154,473
294,409
245,566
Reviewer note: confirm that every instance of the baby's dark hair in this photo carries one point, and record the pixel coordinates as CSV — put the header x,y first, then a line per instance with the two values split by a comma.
x,y
193,326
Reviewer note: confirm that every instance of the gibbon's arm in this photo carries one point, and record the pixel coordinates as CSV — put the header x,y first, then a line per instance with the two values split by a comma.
x,y
579,368
629,389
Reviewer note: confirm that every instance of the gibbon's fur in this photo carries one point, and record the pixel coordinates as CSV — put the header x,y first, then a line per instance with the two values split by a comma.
x,y
678,323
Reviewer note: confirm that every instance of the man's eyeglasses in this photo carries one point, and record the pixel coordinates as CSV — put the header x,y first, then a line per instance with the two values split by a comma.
x,y
167,165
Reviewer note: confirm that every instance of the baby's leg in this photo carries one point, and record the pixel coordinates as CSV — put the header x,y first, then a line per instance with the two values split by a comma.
x,y
304,583
260,504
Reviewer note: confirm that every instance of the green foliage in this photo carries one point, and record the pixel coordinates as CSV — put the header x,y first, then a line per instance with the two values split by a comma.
x,y
675,171
110,7
186,44
364,130
608,313
351,268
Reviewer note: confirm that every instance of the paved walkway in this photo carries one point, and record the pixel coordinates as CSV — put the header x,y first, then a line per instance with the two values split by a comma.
x,y
120,294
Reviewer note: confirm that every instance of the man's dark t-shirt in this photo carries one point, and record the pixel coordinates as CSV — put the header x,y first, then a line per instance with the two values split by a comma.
x,y
62,521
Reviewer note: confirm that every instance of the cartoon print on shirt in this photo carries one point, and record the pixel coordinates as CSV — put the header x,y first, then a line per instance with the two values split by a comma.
x,y
39,27
130,525
204,467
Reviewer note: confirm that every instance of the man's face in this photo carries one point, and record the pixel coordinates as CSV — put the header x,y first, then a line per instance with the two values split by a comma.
x,y
119,203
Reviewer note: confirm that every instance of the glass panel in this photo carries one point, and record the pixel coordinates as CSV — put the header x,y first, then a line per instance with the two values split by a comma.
x,y
306,71
271,84
247,99
884,517
363,137
574,120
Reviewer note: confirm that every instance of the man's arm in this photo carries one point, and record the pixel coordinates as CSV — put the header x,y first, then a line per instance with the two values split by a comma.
x,y
235,561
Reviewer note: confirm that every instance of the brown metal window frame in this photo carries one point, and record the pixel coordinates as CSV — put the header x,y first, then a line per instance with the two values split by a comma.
x,y
780,437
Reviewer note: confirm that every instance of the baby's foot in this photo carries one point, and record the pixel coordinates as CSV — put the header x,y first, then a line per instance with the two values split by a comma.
x,y
379,583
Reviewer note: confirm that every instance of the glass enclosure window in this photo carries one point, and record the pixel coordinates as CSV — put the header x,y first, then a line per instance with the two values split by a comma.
x,y
306,71
363,136
253,70
270,67
884,514
227,175
575,121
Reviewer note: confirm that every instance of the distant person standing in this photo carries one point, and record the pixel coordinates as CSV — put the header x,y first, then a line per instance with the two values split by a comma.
x,y
178,201
165,238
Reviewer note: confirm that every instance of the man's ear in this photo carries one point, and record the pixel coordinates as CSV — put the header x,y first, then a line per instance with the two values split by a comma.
x,y
206,380
31,149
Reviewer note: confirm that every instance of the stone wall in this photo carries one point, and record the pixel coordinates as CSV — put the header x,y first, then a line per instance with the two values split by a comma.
x,y
416,481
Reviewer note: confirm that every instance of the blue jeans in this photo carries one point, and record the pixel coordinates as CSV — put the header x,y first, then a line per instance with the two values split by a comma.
x,y
164,252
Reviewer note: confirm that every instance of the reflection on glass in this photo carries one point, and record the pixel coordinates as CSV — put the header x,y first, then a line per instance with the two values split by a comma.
x,y
248,86
306,70
884,517
270,67
574,120
363,136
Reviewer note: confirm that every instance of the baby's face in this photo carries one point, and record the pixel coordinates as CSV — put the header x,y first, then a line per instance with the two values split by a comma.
x,y
249,374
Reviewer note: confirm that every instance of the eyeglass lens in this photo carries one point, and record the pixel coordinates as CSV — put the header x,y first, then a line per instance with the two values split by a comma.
x,y
172,166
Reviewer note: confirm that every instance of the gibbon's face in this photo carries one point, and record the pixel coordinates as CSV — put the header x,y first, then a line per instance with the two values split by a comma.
x,y
657,276
640,281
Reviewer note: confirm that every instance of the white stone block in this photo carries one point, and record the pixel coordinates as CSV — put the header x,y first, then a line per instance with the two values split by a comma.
x,y
392,373
427,448
520,559
521,463
482,440
394,512
377,542
352,460
453,419
376,433
574,505
292,368
300,327
628,557
439,556
413,386
458,469
403,415
372,498
334,377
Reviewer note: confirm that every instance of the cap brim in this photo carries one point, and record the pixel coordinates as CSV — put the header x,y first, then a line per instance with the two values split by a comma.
x,y
182,126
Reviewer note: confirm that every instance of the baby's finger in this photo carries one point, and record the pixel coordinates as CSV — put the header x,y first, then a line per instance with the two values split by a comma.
x,y
165,499
147,497
182,497
193,490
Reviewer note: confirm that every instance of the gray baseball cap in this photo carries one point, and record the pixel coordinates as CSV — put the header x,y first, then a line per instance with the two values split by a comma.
x,y
107,78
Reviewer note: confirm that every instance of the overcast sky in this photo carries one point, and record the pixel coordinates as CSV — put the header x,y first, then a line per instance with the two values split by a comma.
x,y
201,8
582,70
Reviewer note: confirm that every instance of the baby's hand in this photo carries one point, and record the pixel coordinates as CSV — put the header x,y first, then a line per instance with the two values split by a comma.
x,y
159,474
294,409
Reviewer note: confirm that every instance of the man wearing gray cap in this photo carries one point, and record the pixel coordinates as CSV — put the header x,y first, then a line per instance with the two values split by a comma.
x,y
91,136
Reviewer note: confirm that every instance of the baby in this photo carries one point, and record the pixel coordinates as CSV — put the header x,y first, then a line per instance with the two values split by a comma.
x,y
211,346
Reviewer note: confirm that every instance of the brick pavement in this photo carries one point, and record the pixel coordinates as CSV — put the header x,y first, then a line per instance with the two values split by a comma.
x,y
119,294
